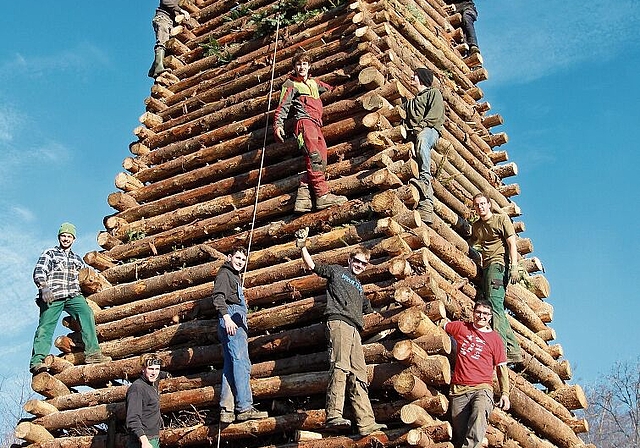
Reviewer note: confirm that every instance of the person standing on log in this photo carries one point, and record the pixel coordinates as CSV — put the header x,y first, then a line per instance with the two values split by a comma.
x,y
143,405
236,399
479,351
424,120
467,10
56,276
162,22
300,98
346,304
494,239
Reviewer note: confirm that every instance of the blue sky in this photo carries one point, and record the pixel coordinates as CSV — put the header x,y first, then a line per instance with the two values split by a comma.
x,y
562,74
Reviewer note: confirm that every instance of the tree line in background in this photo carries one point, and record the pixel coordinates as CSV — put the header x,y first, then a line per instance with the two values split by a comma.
x,y
614,411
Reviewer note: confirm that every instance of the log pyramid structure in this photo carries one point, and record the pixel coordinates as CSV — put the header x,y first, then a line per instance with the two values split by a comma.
x,y
189,195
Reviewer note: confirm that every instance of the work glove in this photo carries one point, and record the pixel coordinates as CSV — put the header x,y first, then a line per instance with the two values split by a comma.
x,y
46,295
515,275
301,237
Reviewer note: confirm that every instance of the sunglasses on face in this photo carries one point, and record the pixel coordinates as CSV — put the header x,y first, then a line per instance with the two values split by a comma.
x,y
483,313
359,261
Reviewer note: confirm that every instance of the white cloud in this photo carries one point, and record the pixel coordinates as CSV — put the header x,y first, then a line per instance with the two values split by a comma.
x,y
83,57
9,121
522,41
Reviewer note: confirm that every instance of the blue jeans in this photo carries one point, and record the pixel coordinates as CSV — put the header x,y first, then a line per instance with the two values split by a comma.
x,y
424,142
236,370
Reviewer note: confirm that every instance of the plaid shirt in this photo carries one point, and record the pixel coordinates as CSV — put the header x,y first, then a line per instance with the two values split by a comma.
x,y
59,271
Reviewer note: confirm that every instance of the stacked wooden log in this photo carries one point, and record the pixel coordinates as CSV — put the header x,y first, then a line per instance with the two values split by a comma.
x,y
206,175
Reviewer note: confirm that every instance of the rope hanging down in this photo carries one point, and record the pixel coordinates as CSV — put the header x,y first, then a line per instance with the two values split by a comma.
x,y
264,146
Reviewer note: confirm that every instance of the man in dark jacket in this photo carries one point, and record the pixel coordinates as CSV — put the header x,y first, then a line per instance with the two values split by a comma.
x,y
163,21
425,117
300,98
229,301
346,304
143,406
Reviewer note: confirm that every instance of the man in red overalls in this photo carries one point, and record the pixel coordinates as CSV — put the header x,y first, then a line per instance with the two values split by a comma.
x,y
300,98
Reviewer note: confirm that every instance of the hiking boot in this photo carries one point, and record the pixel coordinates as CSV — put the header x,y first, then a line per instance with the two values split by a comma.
x,y
303,200
38,368
96,358
227,416
473,49
337,423
329,200
425,209
372,428
251,414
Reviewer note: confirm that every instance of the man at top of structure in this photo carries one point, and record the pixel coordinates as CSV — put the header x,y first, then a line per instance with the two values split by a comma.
x,y
163,21
236,398
424,121
300,99
467,10
494,238
346,304
479,351
56,276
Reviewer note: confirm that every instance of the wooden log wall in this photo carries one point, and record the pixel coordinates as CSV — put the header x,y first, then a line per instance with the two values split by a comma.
x,y
189,193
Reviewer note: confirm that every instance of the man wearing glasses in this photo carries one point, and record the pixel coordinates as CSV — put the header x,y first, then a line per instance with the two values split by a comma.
x,y
479,351
346,304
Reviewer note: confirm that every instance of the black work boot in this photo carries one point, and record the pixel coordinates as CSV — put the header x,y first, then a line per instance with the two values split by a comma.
x,y
158,67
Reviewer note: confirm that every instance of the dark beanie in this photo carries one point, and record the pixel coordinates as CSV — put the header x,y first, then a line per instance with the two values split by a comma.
x,y
425,76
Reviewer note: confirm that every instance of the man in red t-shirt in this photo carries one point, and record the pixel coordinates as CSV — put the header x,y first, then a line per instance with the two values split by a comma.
x,y
479,351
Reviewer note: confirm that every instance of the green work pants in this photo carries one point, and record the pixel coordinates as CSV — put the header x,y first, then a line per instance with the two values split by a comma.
x,y
494,281
77,308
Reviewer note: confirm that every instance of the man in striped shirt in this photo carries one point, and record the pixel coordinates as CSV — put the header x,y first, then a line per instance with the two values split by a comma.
x,y
56,276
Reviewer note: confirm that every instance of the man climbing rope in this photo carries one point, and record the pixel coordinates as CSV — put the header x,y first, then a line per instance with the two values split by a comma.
x,y
467,10
300,97
163,21
424,120
491,235
56,276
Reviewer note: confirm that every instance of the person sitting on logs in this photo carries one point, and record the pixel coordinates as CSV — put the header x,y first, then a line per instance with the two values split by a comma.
x,y
467,10
424,120
162,22
479,351
236,399
143,418
493,244
346,304
300,98
56,276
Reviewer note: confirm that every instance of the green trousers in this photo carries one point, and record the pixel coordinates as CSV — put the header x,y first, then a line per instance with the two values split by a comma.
x,y
77,308
494,281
